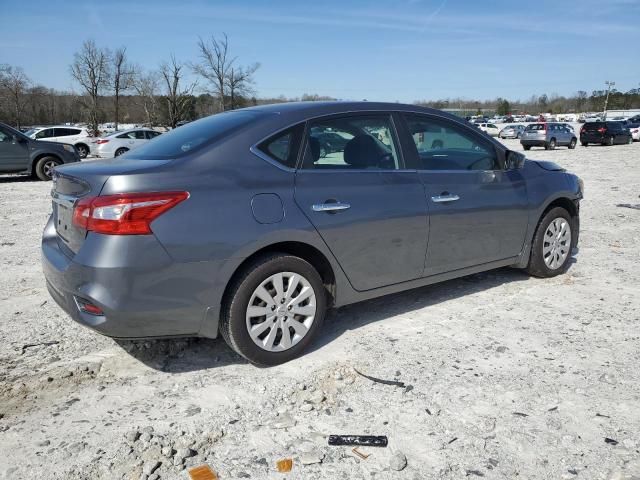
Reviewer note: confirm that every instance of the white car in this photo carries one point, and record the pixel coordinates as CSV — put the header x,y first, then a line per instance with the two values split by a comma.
x,y
635,132
121,142
489,128
77,136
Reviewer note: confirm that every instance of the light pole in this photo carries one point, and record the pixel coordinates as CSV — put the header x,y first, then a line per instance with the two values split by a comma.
x,y
606,100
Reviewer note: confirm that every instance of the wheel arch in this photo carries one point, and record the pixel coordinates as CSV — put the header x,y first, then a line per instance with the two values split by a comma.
x,y
302,250
39,156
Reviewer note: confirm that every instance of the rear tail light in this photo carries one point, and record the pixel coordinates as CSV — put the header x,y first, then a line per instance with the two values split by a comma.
x,y
101,141
125,213
602,130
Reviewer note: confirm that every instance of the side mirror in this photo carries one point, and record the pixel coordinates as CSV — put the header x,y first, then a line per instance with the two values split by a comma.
x,y
515,160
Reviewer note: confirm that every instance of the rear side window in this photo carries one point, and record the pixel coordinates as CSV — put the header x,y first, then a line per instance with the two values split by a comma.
x,y
536,126
444,146
283,147
195,135
363,142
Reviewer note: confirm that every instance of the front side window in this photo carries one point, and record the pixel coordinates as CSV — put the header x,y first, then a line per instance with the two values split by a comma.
x,y
443,146
354,142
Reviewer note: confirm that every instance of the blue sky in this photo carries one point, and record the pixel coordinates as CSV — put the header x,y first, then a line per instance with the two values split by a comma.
x,y
379,50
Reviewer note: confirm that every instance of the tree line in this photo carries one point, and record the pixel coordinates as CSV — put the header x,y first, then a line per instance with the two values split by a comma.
x,y
581,101
111,88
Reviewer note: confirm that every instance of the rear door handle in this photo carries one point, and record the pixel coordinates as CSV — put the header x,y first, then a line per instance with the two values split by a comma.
x,y
330,207
448,197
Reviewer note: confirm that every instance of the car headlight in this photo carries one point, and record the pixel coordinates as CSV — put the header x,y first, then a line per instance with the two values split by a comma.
x,y
69,148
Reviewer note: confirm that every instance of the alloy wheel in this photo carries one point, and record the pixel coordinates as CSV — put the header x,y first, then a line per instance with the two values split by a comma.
x,y
48,167
281,311
557,243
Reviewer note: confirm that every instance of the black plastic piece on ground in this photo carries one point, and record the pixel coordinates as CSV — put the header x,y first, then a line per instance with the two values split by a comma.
x,y
359,440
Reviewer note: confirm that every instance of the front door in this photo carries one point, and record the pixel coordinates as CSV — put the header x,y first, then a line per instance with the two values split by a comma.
x,y
478,212
369,210
14,155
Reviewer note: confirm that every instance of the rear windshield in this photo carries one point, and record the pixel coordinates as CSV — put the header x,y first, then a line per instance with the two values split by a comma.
x,y
193,136
537,126
593,126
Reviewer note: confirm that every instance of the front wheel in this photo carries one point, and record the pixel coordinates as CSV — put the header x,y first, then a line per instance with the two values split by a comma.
x,y
552,244
45,166
630,140
273,309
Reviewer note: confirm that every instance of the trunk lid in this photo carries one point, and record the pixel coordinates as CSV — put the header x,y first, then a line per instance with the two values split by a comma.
x,y
74,181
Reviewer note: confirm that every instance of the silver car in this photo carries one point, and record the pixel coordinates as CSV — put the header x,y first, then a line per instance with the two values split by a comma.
x,y
548,135
511,131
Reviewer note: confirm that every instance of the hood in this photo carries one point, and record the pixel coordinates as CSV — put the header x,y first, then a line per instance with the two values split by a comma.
x,y
546,165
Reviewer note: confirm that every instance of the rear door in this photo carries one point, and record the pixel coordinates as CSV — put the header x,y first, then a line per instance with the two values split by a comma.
x,y
14,155
478,211
369,209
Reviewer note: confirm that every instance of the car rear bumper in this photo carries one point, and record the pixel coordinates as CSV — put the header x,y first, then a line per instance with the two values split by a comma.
x,y
531,142
141,291
592,138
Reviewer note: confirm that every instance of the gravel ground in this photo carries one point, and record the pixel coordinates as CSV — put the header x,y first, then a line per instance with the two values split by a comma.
x,y
505,376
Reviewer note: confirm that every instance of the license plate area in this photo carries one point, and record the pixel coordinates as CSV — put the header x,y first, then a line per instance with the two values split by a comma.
x,y
63,221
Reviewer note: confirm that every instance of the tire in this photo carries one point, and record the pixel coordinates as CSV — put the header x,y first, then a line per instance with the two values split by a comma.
x,y
585,144
538,266
83,150
610,142
235,322
572,144
527,147
45,166
121,151
630,141
551,145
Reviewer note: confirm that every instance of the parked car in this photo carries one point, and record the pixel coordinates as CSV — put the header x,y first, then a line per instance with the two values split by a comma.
x,y
330,142
548,135
235,224
634,129
489,128
77,136
22,154
512,131
119,143
604,133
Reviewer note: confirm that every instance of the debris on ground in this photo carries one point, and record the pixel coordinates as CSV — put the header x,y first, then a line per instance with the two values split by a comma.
x,y
634,206
361,440
360,454
398,461
202,472
610,441
285,465
382,381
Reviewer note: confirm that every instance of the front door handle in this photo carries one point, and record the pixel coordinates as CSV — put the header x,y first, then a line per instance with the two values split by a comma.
x,y
330,207
445,197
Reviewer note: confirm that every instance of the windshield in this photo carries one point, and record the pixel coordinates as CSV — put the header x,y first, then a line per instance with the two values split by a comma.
x,y
194,135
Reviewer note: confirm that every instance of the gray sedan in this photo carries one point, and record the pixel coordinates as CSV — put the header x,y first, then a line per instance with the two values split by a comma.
x,y
235,224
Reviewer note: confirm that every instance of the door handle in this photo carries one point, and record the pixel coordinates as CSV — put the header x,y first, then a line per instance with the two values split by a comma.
x,y
445,197
330,207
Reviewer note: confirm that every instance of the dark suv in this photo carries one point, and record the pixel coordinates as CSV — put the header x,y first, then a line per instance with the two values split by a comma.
x,y
21,154
604,133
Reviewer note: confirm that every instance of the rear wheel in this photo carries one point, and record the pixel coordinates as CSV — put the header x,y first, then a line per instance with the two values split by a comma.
x,y
630,141
121,151
552,243
527,147
585,144
551,145
572,144
83,150
45,166
273,309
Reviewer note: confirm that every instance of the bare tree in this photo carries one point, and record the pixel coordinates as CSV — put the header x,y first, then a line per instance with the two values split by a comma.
x,y
14,85
240,83
90,68
146,86
215,64
177,97
122,78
